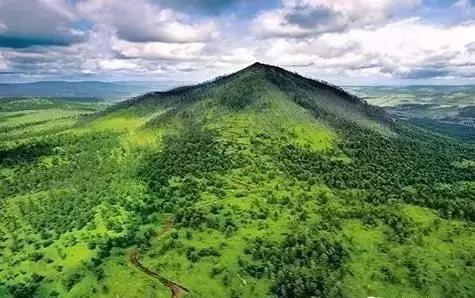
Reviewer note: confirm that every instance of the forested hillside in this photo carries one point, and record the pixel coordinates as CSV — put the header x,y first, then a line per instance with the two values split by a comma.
x,y
258,184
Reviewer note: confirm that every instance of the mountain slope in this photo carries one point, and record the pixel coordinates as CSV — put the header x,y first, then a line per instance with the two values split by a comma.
x,y
258,184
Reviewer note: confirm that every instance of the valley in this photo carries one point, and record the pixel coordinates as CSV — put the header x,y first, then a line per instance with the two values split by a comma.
x,y
443,109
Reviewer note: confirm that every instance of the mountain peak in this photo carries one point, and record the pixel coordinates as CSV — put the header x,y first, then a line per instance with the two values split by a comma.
x,y
258,64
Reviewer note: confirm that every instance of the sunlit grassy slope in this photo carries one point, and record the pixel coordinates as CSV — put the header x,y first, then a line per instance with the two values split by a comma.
x,y
259,184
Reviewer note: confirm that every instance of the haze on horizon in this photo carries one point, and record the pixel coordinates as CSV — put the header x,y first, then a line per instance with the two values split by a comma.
x,y
347,42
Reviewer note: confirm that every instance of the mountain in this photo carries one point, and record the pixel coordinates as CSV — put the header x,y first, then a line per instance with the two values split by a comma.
x,y
81,89
250,85
262,183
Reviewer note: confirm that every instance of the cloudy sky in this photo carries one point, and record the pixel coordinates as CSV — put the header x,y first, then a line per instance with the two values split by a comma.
x,y
343,41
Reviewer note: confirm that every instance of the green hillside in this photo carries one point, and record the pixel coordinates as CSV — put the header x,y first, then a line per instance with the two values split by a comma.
x,y
258,184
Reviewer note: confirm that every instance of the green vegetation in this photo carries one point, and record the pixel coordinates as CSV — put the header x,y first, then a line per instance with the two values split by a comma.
x,y
259,184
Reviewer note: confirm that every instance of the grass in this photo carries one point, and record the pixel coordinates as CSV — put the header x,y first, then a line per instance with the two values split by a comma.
x,y
15,118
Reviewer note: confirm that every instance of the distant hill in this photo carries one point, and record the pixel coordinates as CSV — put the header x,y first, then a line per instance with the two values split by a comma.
x,y
83,89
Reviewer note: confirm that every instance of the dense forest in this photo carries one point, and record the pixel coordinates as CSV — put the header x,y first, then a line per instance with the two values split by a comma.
x,y
260,184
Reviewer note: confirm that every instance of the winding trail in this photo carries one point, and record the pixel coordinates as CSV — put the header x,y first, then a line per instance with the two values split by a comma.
x,y
177,290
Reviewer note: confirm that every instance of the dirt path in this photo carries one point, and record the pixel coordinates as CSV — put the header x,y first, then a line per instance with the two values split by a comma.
x,y
177,290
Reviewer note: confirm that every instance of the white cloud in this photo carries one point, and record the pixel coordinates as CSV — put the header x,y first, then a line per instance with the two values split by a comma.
x,y
158,50
144,21
302,18
116,64
395,49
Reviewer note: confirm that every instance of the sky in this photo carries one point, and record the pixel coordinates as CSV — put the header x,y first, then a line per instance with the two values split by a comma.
x,y
347,42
